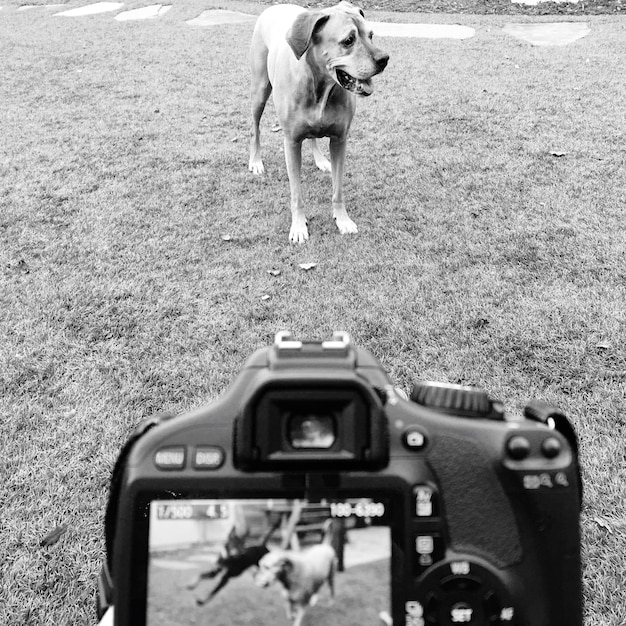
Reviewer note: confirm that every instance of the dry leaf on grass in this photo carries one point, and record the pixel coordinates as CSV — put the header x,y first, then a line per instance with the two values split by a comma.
x,y
603,524
52,537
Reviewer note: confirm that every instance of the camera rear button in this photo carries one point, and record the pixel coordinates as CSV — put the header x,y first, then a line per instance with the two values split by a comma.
x,y
414,439
170,458
208,457
518,447
551,447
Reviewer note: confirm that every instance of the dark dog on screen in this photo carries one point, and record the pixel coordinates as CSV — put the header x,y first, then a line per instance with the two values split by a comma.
x,y
234,559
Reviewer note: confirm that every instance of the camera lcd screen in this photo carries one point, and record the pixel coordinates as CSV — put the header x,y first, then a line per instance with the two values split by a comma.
x,y
267,561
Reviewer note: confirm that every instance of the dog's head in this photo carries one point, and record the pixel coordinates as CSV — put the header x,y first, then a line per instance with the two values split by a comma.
x,y
341,42
272,567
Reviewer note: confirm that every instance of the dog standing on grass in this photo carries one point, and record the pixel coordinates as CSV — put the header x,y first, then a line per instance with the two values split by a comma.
x,y
316,62
301,575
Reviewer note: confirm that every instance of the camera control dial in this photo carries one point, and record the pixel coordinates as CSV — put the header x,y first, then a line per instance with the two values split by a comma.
x,y
458,400
464,592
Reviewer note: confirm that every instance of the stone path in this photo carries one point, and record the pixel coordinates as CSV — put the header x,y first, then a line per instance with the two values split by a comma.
x,y
553,34
144,13
537,34
92,9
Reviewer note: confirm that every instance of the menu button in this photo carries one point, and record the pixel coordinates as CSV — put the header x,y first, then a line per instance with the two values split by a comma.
x,y
170,458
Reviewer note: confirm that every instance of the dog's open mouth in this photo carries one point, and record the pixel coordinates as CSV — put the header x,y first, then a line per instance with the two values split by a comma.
x,y
356,85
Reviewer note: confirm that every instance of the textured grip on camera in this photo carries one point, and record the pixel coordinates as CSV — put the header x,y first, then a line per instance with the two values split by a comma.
x,y
479,516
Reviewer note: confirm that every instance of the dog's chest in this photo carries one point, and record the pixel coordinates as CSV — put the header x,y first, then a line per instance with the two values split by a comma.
x,y
329,117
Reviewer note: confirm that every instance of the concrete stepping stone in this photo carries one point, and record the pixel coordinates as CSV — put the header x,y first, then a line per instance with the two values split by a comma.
x,y
425,31
549,34
144,13
27,7
215,17
92,9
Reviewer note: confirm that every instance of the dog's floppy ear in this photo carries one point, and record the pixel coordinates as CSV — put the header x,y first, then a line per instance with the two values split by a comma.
x,y
348,6
302,30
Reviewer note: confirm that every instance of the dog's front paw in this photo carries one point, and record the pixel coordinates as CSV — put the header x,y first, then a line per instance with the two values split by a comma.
x,y
299,232
320,160
345,225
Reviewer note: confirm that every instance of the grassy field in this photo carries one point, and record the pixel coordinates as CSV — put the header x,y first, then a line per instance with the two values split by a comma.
x,y
361,592
487,178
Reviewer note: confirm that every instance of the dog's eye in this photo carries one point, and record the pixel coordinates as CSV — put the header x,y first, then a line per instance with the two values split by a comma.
x,y
348,41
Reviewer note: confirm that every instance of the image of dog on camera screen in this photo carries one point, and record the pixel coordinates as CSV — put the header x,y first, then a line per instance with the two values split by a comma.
x,y
271,561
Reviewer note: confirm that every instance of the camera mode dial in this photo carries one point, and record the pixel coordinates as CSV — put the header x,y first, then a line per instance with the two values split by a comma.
x,y
459,400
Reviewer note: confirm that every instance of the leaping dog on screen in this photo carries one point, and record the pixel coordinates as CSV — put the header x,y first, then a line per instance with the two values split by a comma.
x,y
316,63
234,559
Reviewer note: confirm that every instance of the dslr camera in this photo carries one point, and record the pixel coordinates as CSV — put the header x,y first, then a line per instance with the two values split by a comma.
x,y
314,492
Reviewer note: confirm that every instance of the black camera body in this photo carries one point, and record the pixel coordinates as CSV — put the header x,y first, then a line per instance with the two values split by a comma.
x,y
439,509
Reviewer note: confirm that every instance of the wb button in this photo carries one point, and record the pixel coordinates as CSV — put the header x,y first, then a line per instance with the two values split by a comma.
x,y
414,439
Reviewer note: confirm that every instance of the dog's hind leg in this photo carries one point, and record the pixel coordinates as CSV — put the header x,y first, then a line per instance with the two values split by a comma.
x,y
220,585
194,583
260,90
299,616
320,160
212,573
331,583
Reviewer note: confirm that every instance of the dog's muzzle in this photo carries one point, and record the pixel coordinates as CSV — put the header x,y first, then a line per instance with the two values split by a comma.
x,y
360,86
356,85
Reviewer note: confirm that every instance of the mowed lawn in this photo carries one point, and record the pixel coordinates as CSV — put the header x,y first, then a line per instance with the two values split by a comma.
x,y
361,593
488,181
